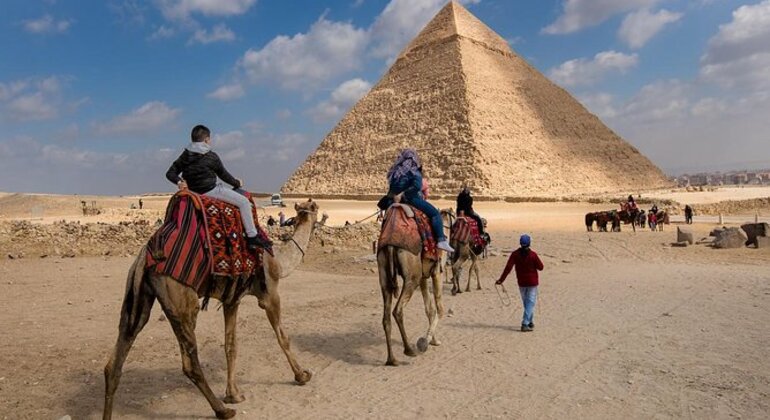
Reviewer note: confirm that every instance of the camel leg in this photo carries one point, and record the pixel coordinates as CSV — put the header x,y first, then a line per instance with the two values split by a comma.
x,y
457,271
398,312
430,311
383,263
476,271
180,304
232,394
272,306
126,336
437,292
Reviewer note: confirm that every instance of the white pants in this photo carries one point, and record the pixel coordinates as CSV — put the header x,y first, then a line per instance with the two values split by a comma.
x,y
220,192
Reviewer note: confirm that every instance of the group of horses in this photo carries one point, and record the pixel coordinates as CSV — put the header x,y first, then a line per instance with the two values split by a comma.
x,y
615,218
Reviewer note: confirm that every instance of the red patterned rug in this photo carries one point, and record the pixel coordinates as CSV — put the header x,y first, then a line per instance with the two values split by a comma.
x,y
202,237
412,234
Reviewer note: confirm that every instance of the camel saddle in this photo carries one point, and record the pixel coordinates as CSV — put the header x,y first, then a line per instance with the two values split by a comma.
x,y
201,237
466,229
408,228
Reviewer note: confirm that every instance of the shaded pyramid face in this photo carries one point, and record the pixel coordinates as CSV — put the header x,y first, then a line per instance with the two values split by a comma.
x,y
478,115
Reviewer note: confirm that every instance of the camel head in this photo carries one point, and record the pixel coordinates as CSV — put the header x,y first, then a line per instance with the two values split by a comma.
x,y
307,212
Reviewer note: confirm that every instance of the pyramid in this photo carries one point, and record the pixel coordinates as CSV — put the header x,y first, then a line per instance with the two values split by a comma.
x,y
479,115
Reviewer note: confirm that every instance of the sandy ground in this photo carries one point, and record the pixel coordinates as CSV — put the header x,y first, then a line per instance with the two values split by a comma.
x,y
626,326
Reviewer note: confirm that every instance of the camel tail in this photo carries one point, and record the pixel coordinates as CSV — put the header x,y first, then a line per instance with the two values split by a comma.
x,y
129,314
392,270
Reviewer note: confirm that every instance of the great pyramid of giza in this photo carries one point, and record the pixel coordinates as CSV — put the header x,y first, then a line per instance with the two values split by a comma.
x,y
479,115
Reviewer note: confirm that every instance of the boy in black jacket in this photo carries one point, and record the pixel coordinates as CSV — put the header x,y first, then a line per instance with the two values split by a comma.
x,y
201,167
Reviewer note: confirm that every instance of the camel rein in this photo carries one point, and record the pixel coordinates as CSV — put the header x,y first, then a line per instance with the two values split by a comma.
x,y
502,293
302,251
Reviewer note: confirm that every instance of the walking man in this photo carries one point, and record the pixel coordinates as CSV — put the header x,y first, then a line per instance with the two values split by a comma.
x,y
527,265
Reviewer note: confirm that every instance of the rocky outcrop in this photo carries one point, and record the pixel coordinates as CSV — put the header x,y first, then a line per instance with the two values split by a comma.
x,y
684,235
754,231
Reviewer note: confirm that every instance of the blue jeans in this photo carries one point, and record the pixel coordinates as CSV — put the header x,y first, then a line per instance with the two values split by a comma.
x,y
433,215
220,192
528,298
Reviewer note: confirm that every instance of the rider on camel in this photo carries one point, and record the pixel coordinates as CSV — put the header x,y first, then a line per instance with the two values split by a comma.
x,y
405,179
630,205
198,168
465,205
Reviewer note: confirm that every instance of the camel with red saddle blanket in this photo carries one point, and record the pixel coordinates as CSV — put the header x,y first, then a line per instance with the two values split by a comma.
x,y
406,249
179,266
468,244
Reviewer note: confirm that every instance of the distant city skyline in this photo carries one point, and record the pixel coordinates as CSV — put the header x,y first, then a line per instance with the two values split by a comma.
x,y
100,97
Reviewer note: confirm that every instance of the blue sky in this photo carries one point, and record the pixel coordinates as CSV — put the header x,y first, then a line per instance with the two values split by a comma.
x,y
100,96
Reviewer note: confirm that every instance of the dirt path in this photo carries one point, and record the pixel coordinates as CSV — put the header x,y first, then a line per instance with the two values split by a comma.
x,y
625,328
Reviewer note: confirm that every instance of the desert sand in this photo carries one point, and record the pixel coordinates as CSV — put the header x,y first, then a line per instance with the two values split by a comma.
x,y
626,327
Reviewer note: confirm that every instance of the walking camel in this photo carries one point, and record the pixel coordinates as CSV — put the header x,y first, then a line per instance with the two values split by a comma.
x,y
415,270
180,304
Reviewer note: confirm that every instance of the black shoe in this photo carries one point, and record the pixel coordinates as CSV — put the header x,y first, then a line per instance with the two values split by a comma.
x,y
254,242
532,325
525,328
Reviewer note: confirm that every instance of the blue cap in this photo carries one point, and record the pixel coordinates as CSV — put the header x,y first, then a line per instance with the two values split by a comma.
x,y
525,240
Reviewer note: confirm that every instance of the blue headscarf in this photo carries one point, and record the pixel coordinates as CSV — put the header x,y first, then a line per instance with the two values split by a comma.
x,y
407,163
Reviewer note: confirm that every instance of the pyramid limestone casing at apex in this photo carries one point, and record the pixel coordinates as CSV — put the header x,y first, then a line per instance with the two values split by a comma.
x,y
478,115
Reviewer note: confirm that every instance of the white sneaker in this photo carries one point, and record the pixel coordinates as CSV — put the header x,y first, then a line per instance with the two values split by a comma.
x,y
445,246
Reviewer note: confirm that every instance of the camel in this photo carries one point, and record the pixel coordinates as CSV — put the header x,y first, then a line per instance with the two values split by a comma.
x,y
414,270
180,305
463,253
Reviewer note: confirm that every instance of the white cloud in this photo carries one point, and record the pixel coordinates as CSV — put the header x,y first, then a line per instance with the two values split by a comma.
x,y
283,114
219,33
184,9
34,99
162,32
46,24
739,54
149,117
640,26
583,71
306,60
340,100
400,21
580,14
227,92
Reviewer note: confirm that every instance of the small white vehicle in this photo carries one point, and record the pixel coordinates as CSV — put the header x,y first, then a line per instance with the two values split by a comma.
x,y
276,200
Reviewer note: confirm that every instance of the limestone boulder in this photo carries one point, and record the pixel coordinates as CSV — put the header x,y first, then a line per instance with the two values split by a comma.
x,y
684,234
730,238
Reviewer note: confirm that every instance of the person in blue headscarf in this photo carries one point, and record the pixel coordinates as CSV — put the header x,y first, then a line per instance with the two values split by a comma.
x,y
405,177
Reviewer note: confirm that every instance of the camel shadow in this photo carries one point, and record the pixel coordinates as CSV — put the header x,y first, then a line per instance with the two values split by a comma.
x,y
141,388
347,347
488,326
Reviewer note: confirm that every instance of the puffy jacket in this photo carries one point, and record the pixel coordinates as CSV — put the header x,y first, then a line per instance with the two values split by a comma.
x,y
200,171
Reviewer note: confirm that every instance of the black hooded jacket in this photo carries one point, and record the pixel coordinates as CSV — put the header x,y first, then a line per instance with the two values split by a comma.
x,y
200,171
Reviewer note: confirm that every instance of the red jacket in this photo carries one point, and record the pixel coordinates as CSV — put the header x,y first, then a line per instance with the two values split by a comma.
x,y
526,268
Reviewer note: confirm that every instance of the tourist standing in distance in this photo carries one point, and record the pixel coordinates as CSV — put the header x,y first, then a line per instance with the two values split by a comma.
x,y
527,265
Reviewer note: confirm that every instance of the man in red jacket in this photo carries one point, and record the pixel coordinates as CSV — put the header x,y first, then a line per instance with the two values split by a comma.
x,y
527,265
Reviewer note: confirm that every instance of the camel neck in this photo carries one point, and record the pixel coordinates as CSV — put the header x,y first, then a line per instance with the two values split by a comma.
x,y
288,254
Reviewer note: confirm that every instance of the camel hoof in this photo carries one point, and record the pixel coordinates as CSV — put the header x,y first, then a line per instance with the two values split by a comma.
x,y
422,344
410,352
391,362
234,399
454,292
435,342
227,413
303,377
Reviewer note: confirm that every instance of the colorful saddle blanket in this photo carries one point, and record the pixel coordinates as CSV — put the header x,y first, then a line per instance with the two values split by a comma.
x,y
465,229
411,233
202,237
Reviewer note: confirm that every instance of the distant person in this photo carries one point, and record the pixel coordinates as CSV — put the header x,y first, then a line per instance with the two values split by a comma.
x,y
281,219
141,204
688,214
198,168
652,220
527,265
465,206
630,204
270,221
405,179
654,209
